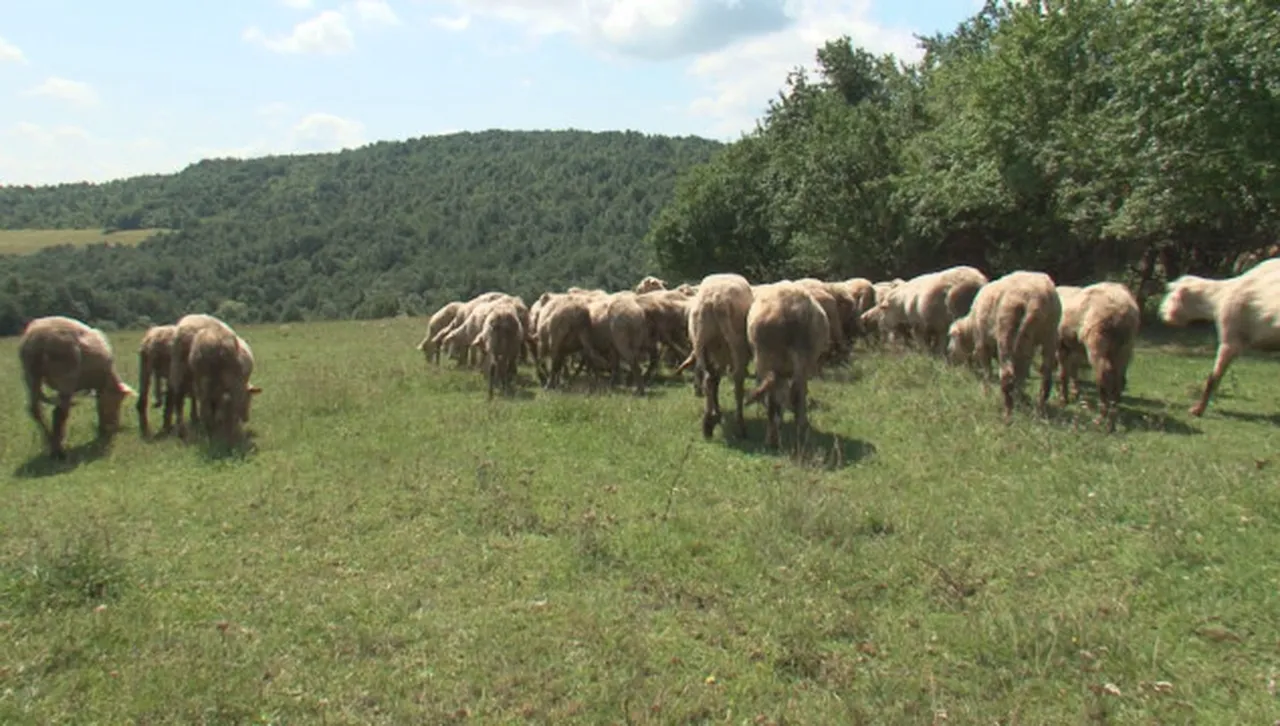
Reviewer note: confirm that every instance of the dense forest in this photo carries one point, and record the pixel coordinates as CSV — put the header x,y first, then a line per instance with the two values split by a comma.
x,y
394,227
1089,139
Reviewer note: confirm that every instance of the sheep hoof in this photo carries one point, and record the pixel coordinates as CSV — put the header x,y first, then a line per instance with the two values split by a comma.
x,y
1196,411
709,422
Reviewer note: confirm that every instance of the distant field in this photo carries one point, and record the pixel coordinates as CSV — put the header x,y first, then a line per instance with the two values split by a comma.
x,y
26,241
398,550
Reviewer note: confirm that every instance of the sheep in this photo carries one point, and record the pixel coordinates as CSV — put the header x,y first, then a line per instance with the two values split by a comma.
x,y
667,314
1014,315
220,363
1245,311
718,332
649,284
927,304
442,319
69,356
180,375
564,328
832,305
501,340
789,332
470,320
1099,322
620,330
153,369
462,353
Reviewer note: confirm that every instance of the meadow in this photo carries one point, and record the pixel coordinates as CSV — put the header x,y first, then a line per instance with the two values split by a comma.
x,y
27,241
396,549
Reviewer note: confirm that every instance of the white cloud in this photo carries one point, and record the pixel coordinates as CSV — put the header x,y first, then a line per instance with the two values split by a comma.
x,y
455,24
375,11
10,53
327,33
740,50
744,76
326,132
76,93
34,154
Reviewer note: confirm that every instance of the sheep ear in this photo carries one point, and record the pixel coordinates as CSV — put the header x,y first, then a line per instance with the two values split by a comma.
x,y
254,390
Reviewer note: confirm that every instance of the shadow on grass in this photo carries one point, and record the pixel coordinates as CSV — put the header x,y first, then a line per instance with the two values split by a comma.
x,y
1258,418
216,449
43,465
822,449
1128,418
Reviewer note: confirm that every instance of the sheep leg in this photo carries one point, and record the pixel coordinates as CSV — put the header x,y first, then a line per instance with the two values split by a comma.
x,y
800,405
1226,353
739,392
60,414
773,420
144,387
1065,368
711,410
34,399
1047,360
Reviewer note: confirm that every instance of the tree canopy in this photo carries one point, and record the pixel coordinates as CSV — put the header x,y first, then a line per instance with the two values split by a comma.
x,y
394,227
1089,139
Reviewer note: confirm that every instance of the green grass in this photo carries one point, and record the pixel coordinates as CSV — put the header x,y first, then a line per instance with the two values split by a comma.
x,y
26,241
398,550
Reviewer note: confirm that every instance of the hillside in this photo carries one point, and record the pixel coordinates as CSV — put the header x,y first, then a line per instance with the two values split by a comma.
x,y
392,227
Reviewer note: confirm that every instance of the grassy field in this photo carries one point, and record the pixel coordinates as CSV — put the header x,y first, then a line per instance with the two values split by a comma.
x,y
398,550
26,241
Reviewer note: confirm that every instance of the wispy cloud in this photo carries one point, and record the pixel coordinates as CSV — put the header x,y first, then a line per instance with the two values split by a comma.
x,y
375,11
10,53
454,24
76,93
326,34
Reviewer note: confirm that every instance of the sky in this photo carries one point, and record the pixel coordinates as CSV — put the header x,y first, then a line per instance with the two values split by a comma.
x,y
91,91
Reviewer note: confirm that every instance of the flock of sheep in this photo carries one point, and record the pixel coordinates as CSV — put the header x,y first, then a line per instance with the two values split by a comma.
x,y
788,331
199,358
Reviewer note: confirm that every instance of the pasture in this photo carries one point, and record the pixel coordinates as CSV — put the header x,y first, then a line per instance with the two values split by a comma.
x,y
26,241
398,550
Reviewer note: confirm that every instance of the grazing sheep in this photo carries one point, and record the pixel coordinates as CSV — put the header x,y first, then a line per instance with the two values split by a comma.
x,y
442,319
220,364
1245,311
1011,317
564,328
625,328
833,305
789,332
153,369
718,332
926,305
457,338
69,357
667,314
501,340
458,349
649,284
1099,322
180,376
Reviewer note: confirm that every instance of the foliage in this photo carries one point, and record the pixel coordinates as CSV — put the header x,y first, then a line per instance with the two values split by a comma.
x,y
398,551
1086,138
395,227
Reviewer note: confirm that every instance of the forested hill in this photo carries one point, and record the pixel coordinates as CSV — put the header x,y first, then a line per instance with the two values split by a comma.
x,y
392,227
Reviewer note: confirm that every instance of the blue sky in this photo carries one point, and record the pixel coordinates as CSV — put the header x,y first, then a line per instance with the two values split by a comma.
x,y
94,91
